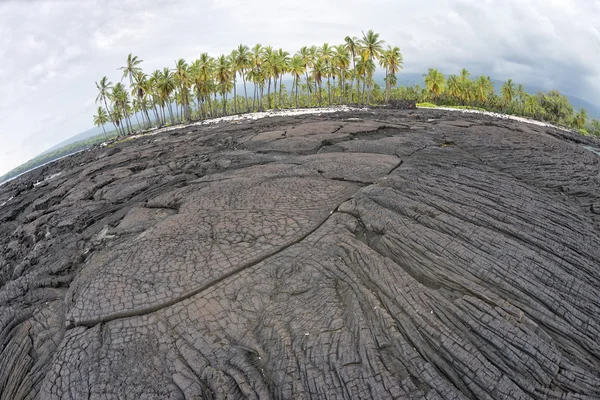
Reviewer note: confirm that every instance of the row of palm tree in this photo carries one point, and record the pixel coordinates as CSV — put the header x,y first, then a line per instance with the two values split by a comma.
x,y
461,90
201,89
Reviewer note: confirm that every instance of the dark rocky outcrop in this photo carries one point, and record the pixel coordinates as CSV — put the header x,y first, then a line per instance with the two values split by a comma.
x,y
403,104
373,254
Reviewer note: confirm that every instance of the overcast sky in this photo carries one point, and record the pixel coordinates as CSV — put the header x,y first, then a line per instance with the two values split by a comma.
x,y
52,52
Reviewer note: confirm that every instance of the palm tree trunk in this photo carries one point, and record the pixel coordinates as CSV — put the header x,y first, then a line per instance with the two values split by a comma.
x,y
170,106
269,93
363,92
225,103
138,121
275,92
328,90
352,79
105,135
280,85
234,94
296,86
341,87
320,98
245,92
110,115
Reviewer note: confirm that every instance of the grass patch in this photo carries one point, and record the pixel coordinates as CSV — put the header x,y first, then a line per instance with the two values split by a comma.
x,y
426,105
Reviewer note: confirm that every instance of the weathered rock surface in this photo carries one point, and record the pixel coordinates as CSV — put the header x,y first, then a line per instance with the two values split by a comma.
x,y
387,254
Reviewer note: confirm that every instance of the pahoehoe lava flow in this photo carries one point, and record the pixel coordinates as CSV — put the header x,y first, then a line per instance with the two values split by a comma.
x,y
354,255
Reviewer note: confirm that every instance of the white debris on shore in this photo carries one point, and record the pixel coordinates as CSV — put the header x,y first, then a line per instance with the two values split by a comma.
x,y
501,116
254,116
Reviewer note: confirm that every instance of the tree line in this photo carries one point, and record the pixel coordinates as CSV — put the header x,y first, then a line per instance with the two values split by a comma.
x,y
460,90
321,75
324,75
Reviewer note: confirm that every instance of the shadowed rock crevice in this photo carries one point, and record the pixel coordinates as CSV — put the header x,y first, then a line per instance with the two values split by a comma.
x,y
383,254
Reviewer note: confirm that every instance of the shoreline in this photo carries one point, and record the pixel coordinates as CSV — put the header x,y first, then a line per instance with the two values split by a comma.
x,y
294,112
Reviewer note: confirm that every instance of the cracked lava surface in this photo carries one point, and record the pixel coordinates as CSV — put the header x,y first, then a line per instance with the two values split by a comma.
x,y
371,254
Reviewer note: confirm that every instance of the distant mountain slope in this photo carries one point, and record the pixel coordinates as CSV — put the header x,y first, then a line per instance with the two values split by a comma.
x,y
79,137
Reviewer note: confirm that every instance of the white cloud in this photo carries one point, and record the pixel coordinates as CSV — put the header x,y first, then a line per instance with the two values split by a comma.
x,y
52,52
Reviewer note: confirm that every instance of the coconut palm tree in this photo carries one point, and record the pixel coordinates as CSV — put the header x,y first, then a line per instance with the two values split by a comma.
x,y
325,55
296,68
166,87
306,54
223,76
435,83
139,90
581,118
352,45
508,91
318,71
157,99
371,48
465,86
104,87
453,87
391,60
183,79
131,69
100,119
242,63
120,98
341,62
521,93
483,89
283,65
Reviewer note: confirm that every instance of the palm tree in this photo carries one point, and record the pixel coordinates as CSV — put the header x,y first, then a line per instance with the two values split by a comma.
x,y
392,61
223,76
131,69
104,87
508,92
242,63
157,99
581,118
256,61
139,89
483,88
435,83
521,93
371,48
120,98
283,65
352,45
166,86
465,86
296,69
317,74
183,79
306,58
453,87
325,54
100,119
341,61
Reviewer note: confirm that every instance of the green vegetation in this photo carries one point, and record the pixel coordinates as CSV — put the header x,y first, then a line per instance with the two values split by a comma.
x,y
325,75
207,87
460,91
